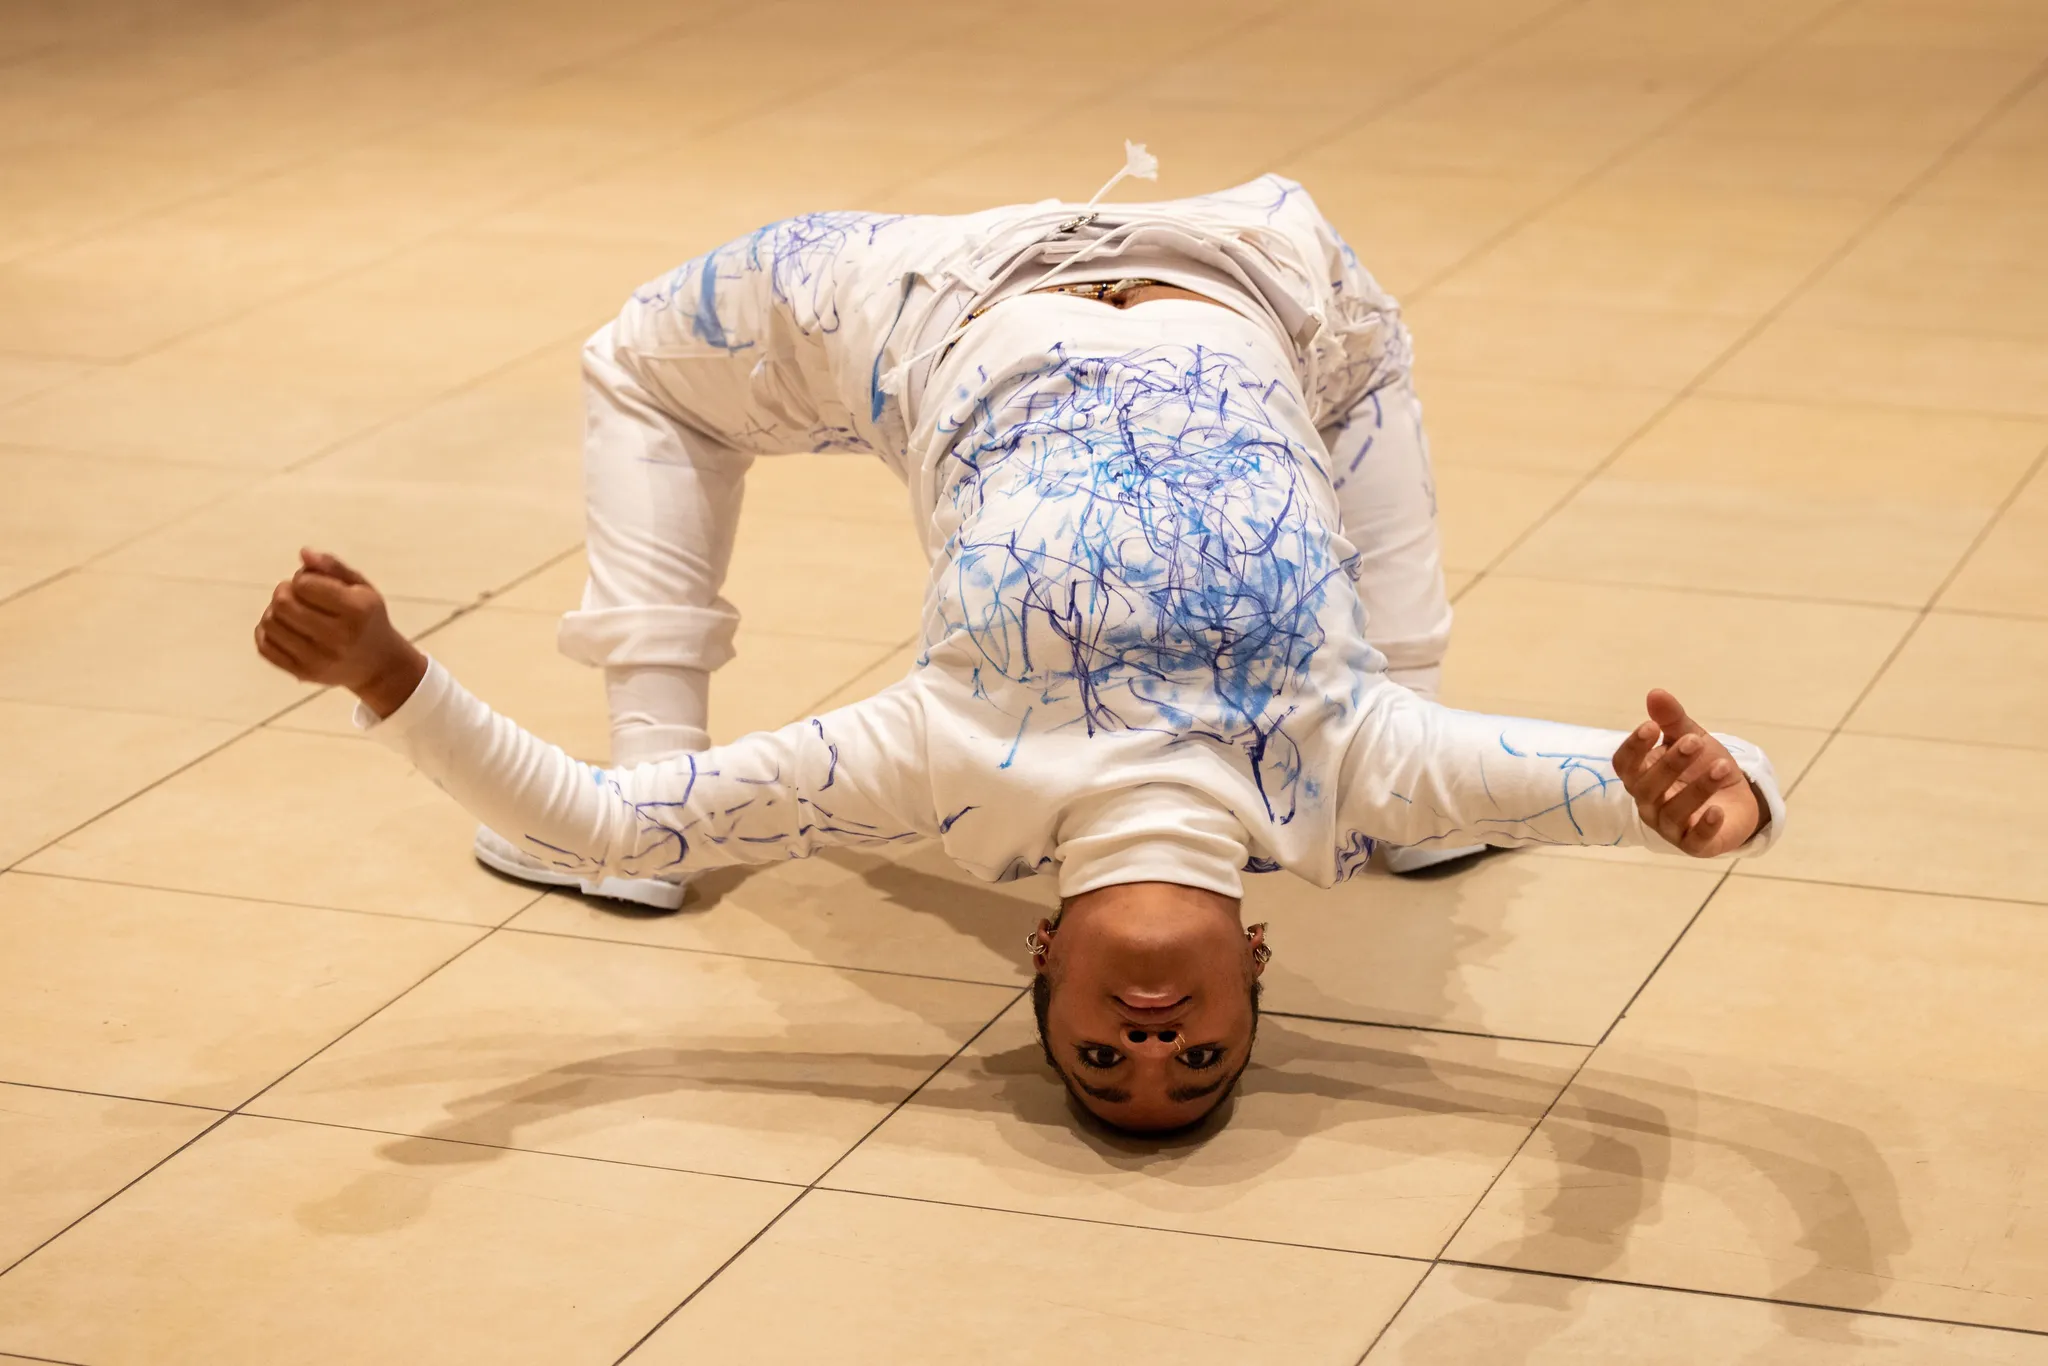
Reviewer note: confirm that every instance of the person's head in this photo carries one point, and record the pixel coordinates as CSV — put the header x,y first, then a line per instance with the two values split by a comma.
x,y
1147,998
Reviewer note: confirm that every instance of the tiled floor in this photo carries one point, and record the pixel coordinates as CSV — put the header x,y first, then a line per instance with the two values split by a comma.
x,y
1732,321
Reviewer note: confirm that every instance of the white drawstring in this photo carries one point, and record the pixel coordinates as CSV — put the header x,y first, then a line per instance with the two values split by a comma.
x,y
1137,162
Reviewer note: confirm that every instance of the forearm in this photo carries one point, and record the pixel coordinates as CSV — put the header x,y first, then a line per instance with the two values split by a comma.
x,y
1419,773
767,797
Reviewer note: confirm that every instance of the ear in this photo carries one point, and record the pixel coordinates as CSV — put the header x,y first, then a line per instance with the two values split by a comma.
x,y
1254,940
1047,931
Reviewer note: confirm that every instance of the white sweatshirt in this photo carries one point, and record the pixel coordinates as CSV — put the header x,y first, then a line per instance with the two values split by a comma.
x,y
1144,657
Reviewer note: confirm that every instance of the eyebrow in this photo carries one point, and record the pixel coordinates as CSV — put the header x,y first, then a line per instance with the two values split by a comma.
x,y
1113,1095
1184,1093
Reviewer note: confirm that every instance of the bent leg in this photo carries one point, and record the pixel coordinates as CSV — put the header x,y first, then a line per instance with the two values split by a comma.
x,y
723,359
1387,498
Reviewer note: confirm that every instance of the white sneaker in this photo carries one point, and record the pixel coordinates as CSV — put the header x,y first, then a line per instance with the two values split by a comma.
x,y
495,851
1403,859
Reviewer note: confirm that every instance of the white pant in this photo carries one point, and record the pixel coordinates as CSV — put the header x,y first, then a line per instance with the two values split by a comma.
x,y
667,444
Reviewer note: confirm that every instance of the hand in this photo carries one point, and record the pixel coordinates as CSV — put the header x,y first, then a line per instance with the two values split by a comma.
x,y
1687,786
326,624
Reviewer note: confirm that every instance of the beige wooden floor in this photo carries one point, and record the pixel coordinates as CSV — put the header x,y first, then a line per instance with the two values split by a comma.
x,y
1732,321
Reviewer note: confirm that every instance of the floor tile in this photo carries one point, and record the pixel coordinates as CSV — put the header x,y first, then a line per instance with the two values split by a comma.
x,y
65,508
1505,339
838,580
2006,376
2008,573
198,1000
1410,228
519,428
67,1152
1481,512
1477,1314
1589,653
83,762
22,376
911,910
1964,811
452,542
296,1244
168,646
900,1281
508,659
308,819
1963,678
1818,453
1341,1136
1801,1106
1527,947
1784,160
1518,424
735,1066
1701,534
1690,251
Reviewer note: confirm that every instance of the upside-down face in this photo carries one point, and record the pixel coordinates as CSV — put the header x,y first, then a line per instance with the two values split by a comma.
x,y
1149,993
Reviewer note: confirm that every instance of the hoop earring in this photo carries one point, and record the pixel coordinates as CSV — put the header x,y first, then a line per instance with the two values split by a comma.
x,y
1037,946
1262,952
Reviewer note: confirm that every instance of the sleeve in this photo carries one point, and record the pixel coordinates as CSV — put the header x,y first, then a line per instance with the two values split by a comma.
x,y
1418,774
852,776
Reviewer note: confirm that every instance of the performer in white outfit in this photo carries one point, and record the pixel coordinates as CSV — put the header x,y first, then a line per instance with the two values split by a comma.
x,y
1184,619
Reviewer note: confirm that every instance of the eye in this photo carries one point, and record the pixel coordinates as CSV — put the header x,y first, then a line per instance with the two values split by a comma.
x,y
1201,1057
1098,1055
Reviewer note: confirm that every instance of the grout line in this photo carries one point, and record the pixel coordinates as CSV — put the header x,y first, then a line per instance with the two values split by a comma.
x,y
1819,19
1530,1135
1747,1299
1429,84
451,14
512,1148
1771,314
1691,590
226,1116
115,1095
1746,875
416,919
116,1194
1919,619
814,1183
1112,1223
1399,1310
510,928
418,982
1420,1028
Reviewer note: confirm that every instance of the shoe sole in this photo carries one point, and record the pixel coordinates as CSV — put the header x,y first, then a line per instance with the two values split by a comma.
x,y
654,893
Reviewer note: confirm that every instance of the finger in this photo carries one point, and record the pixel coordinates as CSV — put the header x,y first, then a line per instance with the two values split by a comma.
x,y
1705,837
320,562
295,642
1657,782
1634,754
325,594
269,646
1670,715
1676,816
315,626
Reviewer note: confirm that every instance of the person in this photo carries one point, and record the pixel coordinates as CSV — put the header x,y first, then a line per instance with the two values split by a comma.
x,y
1184,621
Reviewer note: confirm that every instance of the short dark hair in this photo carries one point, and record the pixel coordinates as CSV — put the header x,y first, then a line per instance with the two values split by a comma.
x,y
1041,1006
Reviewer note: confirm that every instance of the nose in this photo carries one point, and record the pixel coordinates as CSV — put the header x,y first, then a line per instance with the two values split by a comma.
x,y
1165,1036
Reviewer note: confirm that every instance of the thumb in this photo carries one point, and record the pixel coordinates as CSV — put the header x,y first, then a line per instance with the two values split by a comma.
x,y
320,562
1669,714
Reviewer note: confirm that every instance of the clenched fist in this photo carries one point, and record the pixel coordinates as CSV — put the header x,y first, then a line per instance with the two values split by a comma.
x,y
327,624
1687,786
